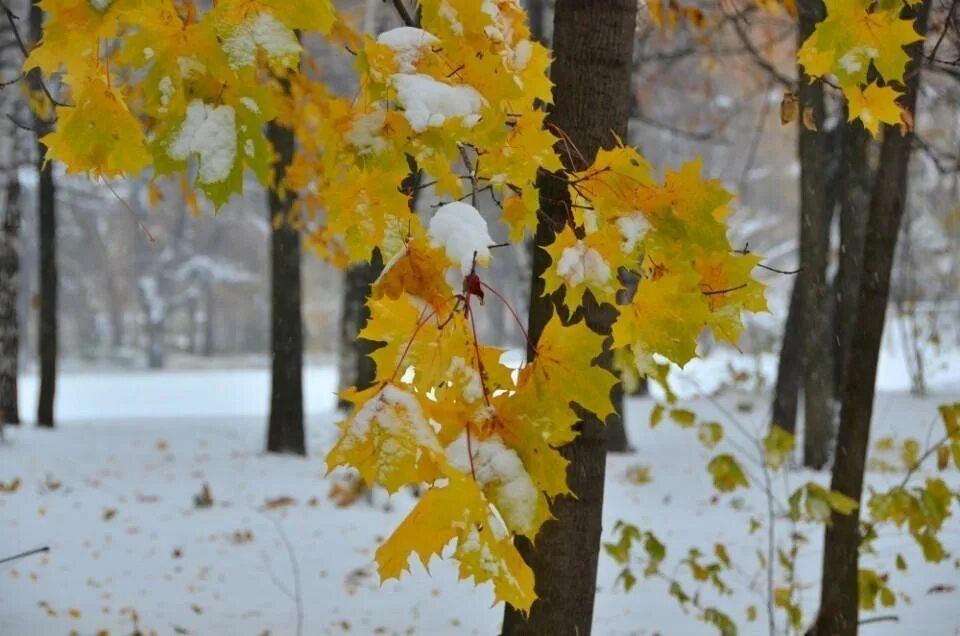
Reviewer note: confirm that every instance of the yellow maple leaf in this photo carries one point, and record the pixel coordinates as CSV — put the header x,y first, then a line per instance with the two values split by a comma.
x,y
388,440
417,270
460,511
665,317
561,373
874,105
98,134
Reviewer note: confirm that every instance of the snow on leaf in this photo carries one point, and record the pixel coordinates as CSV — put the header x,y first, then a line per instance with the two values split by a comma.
x,y
408,44
501,474
462,232
261,32
459,511
388,440
208,131
428,103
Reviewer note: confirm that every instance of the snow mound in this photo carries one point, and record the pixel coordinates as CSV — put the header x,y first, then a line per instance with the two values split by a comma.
x,y
428,103
461,231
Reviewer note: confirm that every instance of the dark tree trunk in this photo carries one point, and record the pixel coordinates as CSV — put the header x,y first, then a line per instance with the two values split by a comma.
x,y
787,391
537,19
156,342
591,73
285,432
47,327
355,365
839,592
47,253
854,209
9,325
815,213
208,329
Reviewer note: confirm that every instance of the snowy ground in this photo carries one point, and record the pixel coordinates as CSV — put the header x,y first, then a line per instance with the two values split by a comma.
x,y
112,493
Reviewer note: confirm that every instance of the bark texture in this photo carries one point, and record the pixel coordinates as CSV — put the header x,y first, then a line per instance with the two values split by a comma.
x,y
814,297
285,432
593,47
13,151
786,394
839,592
854,209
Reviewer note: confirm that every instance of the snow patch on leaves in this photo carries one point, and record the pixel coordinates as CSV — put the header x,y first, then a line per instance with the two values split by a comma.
x,y
462,232
428,103
408,43
579,264
364,133
263,31
633,228
498,467
210,132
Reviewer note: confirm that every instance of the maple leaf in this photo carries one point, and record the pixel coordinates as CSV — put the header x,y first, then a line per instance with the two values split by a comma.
x,y
561,373
98,134
460,511
418,270
666,316
388,440
874,105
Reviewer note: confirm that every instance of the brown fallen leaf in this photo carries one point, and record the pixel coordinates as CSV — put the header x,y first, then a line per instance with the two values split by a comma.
x,y
279,502
10,487
109,513
204,499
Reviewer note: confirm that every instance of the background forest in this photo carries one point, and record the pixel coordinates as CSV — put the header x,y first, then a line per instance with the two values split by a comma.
x,y
173,334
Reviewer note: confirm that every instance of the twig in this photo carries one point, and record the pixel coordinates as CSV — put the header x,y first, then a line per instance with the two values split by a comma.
x,y
297,595
405,15
892,618
22,555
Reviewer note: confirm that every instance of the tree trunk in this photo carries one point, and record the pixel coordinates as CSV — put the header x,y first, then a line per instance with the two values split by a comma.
x,y
815,214
854,208
591,73
787,391
839,592
9,274
47,254
285,432
156,342
208,324
356,368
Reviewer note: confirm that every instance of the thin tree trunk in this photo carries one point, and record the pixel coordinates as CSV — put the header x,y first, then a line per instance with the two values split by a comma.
x,y
839,592
9,273
786,394
285,432
817,368
47,255
12,151
854,209
208,316
356,368
591,73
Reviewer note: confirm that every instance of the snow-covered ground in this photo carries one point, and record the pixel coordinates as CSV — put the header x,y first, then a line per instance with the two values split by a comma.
x,y
112,493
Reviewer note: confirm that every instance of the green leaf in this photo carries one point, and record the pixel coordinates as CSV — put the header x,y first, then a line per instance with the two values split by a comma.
x,y
710,434
727,474
683,417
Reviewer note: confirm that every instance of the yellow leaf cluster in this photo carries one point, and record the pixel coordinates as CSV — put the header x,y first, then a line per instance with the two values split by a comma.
x,y
856,37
